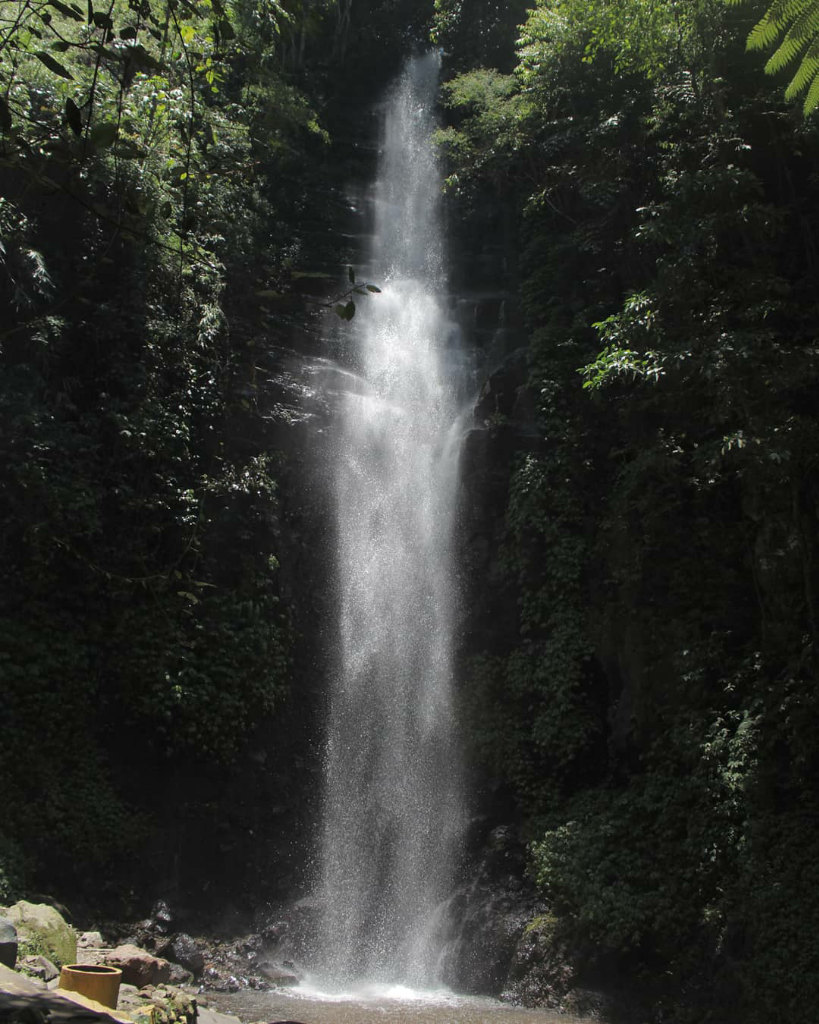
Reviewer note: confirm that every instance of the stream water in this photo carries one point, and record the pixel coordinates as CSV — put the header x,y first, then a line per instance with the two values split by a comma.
x,y
384,1004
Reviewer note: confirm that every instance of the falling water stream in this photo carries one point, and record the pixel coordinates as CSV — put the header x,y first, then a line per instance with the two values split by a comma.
x,y
394,808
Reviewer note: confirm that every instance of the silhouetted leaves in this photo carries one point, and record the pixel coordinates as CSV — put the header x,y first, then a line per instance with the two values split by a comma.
x,y
72,115
53,65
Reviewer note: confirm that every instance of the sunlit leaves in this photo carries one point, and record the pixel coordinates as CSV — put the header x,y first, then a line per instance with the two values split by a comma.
x,y
796,24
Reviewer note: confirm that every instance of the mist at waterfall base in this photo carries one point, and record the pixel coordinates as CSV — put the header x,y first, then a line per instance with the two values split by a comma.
x,y
383,1004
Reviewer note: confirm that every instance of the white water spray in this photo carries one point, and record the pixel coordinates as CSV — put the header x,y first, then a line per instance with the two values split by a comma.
x,y
393,802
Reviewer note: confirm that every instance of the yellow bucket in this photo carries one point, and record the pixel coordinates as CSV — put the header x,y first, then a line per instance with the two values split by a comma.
x,y
93,981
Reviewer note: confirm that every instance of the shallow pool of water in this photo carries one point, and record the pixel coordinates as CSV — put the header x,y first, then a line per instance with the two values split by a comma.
x,y
386,1004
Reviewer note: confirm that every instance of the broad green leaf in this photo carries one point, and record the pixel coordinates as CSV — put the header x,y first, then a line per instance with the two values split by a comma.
x,y
128,33
102,20
64,9
141,58
53,65
351,275
374,289
226,30
72,115
103,135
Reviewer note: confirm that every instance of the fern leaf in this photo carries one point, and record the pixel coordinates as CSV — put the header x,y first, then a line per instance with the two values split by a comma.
x,y
812,98
806,72
774,21
763,34
788,51
801,32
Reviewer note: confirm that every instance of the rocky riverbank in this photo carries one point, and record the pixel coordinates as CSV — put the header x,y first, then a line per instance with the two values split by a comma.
x,y
501,941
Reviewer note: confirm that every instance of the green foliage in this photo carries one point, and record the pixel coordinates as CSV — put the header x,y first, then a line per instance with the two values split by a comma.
x,y
155,161
638,36
477,32
655,716
794,25
485,105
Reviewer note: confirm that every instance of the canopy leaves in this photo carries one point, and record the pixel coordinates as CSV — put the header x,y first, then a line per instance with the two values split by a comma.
x,y
794,24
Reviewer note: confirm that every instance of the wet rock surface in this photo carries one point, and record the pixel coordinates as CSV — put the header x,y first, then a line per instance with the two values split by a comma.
x,y
8,943
488,916
183,950
502,939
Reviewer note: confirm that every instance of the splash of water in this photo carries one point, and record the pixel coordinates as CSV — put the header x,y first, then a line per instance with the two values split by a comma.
x,y
393,802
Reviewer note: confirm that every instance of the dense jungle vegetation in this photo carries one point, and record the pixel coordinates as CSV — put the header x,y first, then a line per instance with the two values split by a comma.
x,y
168,177
655,718
167,193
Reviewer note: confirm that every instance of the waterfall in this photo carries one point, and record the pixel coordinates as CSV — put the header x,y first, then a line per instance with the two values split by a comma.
x,y
393,803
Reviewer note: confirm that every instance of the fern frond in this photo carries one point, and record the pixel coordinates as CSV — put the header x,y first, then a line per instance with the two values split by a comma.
x,y
763,34
774,22
805,28
812,98
806,72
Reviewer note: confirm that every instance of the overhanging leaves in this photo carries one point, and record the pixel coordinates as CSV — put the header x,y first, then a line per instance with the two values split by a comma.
x,y
799,21
54,65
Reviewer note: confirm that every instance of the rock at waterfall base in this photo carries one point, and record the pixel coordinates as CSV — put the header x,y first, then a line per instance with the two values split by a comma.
x,y
138,966
182,950
39,967
8,943
45,929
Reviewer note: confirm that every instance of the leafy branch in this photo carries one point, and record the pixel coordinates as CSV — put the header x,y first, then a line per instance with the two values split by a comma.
x,y
796,24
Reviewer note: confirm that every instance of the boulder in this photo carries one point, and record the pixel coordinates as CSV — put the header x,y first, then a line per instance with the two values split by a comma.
x,y
40,967
90,940
8,943
207,1016
541,973
162,917
277,974
162,1004
179,975
44,929
183,950
138,966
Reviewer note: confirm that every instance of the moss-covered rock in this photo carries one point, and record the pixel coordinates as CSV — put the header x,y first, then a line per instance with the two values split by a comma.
x,y
43,930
